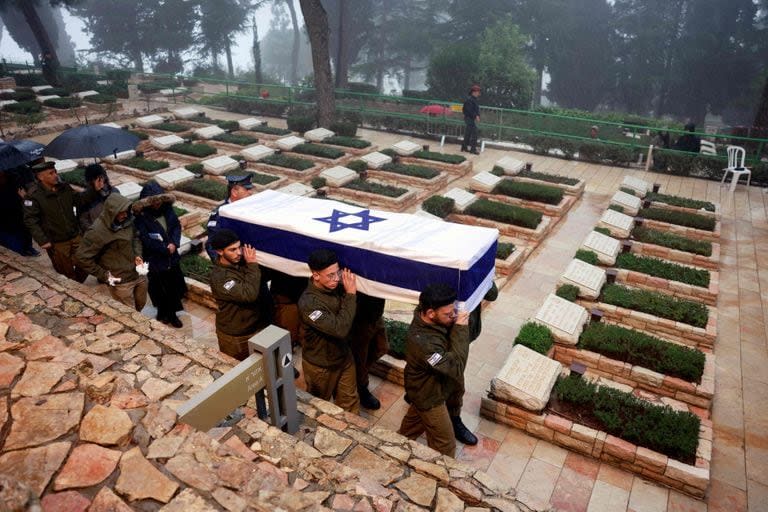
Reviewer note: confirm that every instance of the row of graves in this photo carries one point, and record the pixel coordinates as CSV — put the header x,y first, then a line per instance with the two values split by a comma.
x,y
618,363
55,102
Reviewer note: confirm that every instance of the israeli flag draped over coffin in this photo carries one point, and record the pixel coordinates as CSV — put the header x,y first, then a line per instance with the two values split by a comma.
x,y
394,255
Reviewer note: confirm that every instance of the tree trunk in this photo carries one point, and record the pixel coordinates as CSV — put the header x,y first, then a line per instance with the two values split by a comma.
x,y
138,62
407,69
256,50
761,118
316,21
539,81
50,61
342,56
296,43
230,66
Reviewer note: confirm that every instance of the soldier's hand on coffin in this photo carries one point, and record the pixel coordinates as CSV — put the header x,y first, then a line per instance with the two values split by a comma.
x,y
349,281
249,254
462,318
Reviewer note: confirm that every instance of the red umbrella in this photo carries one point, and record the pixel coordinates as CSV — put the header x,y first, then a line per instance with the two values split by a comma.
x,y
435,110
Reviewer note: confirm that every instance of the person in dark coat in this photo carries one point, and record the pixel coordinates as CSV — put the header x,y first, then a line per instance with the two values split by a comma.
x,y
688,141
471,111
88,213
13,233
160,234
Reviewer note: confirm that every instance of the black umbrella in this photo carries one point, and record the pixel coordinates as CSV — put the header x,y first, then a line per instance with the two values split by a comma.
x,y
91,141
15,153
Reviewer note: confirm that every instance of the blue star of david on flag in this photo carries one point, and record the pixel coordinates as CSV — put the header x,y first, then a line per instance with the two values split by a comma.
x,y
366,219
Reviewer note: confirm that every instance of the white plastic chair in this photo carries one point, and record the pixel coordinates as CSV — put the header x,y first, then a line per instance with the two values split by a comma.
x,y
736,167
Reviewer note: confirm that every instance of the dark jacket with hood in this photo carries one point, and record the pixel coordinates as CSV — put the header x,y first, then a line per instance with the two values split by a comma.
x,y
154,237
110,246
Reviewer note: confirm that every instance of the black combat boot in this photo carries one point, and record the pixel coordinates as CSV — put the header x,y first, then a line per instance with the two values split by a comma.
x,y
461,432
367,400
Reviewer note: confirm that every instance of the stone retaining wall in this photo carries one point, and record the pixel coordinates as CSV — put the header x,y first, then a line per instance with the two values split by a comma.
x,y
716,213
396,204
515,260
674,288
293,174
554,210
709,262
460,169
433,184
510,230
696,234
572,190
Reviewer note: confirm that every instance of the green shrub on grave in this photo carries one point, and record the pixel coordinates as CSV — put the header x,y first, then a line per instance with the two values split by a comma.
x,y
357,165
23,107
529,191
63,103
568,292
657,304
289,162
318,182
348,142
672,241
56,91
144,164
504,250
19,95
505,213
74,177
616,207
416,171
389,152
196,168
690,220
190,149
100,99
171,127
318,150
196,267
604,231
344,128
587,256
396,334
141,135
240,140
536,337
270,130
440,206
552,178
209,189
638,348
439,157
683,202
376,188
300,123
663,269
658,428
628,190
179,211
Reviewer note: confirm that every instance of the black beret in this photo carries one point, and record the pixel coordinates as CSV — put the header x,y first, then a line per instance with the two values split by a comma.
x,y
436,295
223,238
44,166
321,258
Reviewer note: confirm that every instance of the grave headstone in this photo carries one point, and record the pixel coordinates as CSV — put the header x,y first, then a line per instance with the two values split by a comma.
x,y
249,123
484,182
209,132
589,278
318,134
85,94
185,112
122,155
461,198
617,223
376,160
149,121
7,102
256,153
220,165
338,176
63,166
629,203
606,247
129,190
526,379
111,125
43,99
173,92
174,177
564,318
636,184
166,141
7,91
37,88
511,165
288,143
297,189
406,147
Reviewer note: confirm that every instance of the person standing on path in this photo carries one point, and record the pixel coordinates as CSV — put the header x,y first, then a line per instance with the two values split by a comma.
x,y
368,339
471,110
436,349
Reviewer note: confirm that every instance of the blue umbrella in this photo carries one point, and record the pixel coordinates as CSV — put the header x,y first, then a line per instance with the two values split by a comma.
x,y
90,141
15,153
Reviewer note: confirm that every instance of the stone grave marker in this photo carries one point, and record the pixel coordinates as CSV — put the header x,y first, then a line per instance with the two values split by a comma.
x,y
461,198
172,92
149,121
511,165
526,379
7,91
165,142
636,184
129,190
85,94
111,125
37,88
589,278
7,102
376,160
209,132
564,318
484,182
338,176
318,134
169,179
288,143
256,153
43,99
249,123
606,247
297,189
631,204
185,112
185,244
406,147
617,223
220,164
63,166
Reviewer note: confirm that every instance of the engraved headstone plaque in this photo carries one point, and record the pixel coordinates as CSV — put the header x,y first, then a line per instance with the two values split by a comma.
x,y
186,112
484,182
636,184
510,165
166,141
220,164
462,199
338,176
376,160
631,204
288,143
565,319
526,379
148,121
249,123
256,153
619,224
318,134
606,247
589,278
209,132
173,177
406,147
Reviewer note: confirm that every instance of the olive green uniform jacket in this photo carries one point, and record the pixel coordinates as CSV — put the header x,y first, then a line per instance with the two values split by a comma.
x,y
50,214
435,357
107,248
236,290
326,318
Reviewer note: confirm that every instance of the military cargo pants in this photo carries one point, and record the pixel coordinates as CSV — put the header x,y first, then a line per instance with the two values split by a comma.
x,y
436,423
132,294
368,343
62,255
234,346
339,384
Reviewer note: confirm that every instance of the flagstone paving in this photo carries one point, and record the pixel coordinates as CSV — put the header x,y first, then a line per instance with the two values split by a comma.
x,y
549,476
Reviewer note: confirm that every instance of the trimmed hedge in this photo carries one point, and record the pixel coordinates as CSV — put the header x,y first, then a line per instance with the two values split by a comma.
x,y
56,91
552,178
357,165
318,182
145,164
197,150
568,292
604,231
686,219
256,177
300,123
396,334
658,304
74,177
506,213
63,103
196,168
672,241
529,191
318,150
270,130
638,348
23,95
536,337
196,267
658,428
209,189
349,142
663,269
100,99
23,107
416,171
439,206
179,211
139,134
616,207
504,250
376,188
682,202
587,256
439,157
344,128
290,162
628,190
171,127
240,140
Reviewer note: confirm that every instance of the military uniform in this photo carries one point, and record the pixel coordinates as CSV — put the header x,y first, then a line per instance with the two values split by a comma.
x,y
239,316
329,369
367,338
286,291
49,215
435,359
213,219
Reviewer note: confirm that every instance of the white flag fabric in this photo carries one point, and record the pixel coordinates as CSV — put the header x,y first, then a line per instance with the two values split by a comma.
x,y
394,255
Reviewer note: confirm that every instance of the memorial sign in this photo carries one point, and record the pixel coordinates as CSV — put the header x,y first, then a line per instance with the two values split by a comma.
x,y
606,247
589,278
526,379
564,318
619,224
